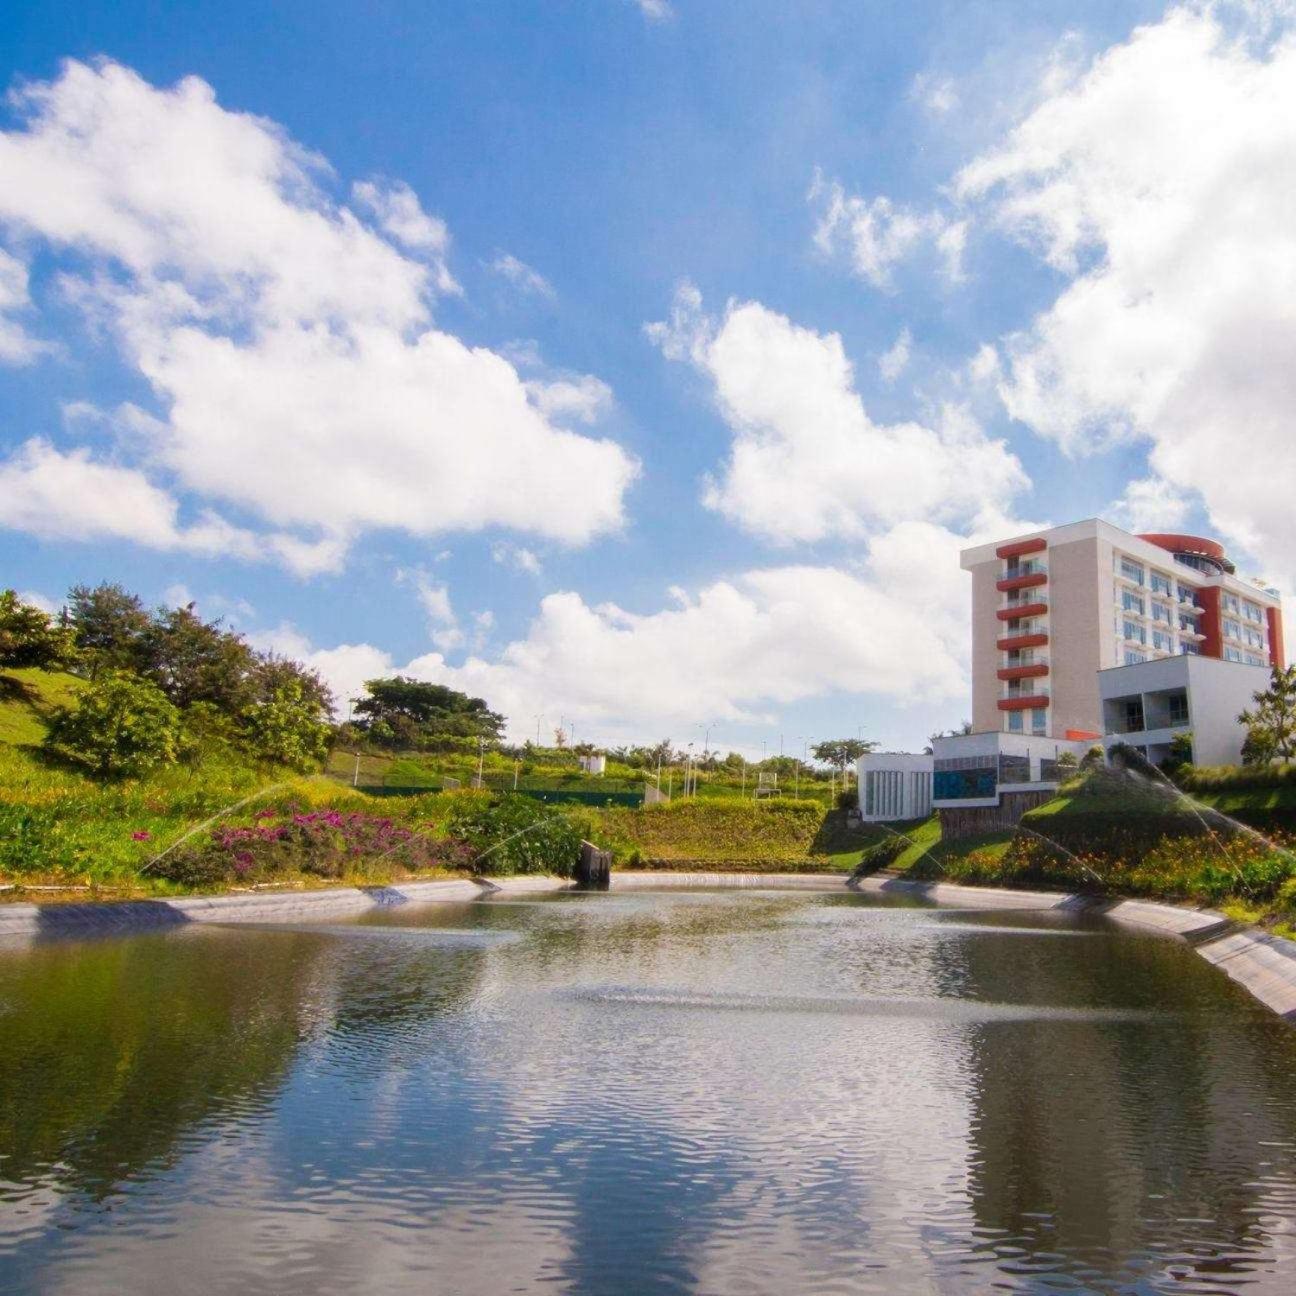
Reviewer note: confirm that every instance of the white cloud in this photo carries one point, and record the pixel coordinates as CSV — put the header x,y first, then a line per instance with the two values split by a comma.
x,y
38,600
518,556
522,275
892,363
656,10
1150,504
938,95
287,341
876,234
807,462
1160,181
401,215
16,345
434,598
582,397
70,496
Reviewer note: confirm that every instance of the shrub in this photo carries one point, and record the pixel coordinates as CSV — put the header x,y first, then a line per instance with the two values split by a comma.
x,y
286,729
324,843
880,855
515,834
120,725
848,799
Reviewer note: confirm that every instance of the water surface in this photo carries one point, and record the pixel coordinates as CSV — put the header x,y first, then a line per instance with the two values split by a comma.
x,y
647,1092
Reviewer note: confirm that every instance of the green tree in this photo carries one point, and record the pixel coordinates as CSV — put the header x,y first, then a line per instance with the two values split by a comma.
x,y
841,753
120,725
288,728
30,637
192,660
109,625
1271,723
404,712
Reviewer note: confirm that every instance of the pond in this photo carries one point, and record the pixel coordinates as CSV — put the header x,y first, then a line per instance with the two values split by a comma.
x,y
643,1092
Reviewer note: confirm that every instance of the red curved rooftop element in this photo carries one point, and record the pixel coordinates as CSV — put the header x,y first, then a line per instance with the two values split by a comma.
x,y
1192,544
1019,547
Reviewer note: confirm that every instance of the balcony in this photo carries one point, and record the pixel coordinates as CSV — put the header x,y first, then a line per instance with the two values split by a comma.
x,y
1037,640
1019,547
1019,611
1131,581
1023,702
1022,580
1027,670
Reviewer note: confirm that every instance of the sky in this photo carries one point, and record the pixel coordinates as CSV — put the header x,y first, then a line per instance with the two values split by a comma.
x,y
638,365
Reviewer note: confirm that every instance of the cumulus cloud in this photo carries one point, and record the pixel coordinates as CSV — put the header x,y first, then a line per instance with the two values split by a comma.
x,y
875,234
1160,182
1150,504
289,343
71,496
516,556
522,275
807,462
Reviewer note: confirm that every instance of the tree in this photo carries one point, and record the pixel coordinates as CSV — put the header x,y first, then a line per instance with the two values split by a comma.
x,y
192,660
406,712
120,725
1271,723
841,753
273,672
288,728
109,625
29,637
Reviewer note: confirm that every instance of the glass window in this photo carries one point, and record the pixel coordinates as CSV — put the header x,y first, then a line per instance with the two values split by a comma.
x,y
1131,602
1232,604
1160,584
1132,658
1252,613
1232,654
1189,649
1178,708
1162,641
1134,632
1015,722
1133,716
1253,660
1161,612
1232,628
1039,721
1131,570
1188,624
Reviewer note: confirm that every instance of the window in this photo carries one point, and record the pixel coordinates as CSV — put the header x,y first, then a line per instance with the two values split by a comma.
x,y
1048,770
964,782
1232,604
1131,602
1039,721
1162,641
1014,769
1232,629
1189,649
1132,716
1162,612
1252,613
1134,633
1015,724
1131,571
1232,654
1188,624
1253,660
1133,658
1161,584
1178,708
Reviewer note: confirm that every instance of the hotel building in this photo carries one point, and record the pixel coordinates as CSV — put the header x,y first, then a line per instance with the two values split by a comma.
x,y
1052,609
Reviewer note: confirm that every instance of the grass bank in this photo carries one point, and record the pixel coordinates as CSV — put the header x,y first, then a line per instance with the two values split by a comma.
x,y
1112,834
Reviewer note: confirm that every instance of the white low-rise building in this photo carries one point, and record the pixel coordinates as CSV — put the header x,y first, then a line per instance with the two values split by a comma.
x,y
894,785
1148,704
977,770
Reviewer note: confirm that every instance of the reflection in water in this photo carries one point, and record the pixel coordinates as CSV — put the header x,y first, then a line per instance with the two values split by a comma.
x,y
682,1091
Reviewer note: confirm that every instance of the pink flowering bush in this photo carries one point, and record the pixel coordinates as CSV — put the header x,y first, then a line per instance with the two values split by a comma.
x,y
326,843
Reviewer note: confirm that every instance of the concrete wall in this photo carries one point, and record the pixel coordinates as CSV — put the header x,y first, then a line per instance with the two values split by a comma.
x,y
986,630
1077,618
894,785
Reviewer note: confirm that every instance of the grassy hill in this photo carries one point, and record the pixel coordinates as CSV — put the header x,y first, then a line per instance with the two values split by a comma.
x,y
26,699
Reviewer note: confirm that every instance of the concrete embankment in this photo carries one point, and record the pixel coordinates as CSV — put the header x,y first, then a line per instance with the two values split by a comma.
x,y
1264,965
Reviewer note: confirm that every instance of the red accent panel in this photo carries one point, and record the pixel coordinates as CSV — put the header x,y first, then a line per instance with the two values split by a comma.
x,y
1033,671
1185,544
1020,613
1021,582
1019,547
1081,735
1029,702
1021,641
1209,621
1276,657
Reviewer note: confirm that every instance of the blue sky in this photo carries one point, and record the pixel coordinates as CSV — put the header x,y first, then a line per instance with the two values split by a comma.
x,y
1036,209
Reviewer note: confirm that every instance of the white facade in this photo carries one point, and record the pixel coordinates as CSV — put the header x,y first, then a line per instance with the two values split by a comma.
x,y
593,764
972,770
894,785
1146,705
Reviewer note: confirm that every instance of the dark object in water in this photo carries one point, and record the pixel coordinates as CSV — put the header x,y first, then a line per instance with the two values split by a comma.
x,y
594,868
